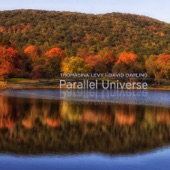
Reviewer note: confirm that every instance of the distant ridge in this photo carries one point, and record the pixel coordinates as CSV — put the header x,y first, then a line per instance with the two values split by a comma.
x,y
73,31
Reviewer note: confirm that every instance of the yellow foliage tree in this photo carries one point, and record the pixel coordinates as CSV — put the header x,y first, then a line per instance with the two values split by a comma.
x,y
74,65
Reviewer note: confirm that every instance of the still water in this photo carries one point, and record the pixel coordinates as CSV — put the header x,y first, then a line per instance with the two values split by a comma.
x,y
53,129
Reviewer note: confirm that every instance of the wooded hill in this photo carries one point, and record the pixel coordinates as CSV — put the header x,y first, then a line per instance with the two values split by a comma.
x,y
75,31
121,42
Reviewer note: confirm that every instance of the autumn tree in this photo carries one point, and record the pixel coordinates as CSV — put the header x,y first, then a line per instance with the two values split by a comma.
x,y
31,57
126,61
32,51
108,59
96,64
158,66
52,67
83,53
151,66
163,65
38,71
9,61
53,59
74,65
126,58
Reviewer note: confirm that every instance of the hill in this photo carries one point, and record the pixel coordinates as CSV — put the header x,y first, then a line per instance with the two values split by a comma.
x,y
75,31
41,44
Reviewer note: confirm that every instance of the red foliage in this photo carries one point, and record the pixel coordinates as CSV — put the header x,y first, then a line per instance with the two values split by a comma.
x,y
93,60
32,52
55,52
8,60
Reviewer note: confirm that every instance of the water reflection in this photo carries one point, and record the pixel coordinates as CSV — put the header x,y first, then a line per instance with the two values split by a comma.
x,y
37,126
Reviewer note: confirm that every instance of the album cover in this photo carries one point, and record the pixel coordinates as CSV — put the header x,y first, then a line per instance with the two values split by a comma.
x,y
84,85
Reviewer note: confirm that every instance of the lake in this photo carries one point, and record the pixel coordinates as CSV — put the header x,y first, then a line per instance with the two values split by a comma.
x,y
80,129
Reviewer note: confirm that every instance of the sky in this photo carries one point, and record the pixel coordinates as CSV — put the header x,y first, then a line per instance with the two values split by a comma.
x,y
158,9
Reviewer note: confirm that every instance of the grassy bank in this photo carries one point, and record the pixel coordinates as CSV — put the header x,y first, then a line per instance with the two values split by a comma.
x,y
28,84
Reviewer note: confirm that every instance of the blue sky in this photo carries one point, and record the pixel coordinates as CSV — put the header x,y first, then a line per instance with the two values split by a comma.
x,y
159,9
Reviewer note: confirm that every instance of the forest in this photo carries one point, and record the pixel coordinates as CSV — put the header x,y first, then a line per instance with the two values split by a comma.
x,y
42,44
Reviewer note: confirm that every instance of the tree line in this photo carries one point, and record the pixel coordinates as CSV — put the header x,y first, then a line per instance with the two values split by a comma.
x,y
31,62
41,44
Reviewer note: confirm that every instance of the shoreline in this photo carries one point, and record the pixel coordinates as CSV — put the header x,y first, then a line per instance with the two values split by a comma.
x,y
19,84
21,87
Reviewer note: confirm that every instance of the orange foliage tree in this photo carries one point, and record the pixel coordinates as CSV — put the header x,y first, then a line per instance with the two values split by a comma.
x,y
9,60
32,51
96,64
163,65
126,61
158,66
108,58
31,60
53,62
126,58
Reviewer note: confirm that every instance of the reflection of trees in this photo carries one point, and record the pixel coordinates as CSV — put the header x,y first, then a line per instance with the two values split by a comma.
x,y
157,115
86,113
42,111
71,112
28,111
162,116
51,118
98,114
125,115
6,119
46,126
29,121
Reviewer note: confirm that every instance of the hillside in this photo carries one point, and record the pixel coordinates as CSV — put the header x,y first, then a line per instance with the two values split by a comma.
x,y
75,31
41,44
